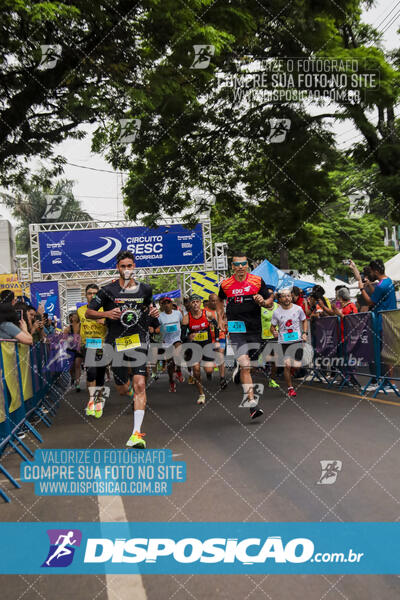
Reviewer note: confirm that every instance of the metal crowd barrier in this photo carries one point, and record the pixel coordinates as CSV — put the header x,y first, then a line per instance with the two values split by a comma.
x,y
363,345
32,379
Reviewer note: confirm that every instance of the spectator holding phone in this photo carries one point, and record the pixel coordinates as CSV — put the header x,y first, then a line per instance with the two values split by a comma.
x,y
12,324
383,296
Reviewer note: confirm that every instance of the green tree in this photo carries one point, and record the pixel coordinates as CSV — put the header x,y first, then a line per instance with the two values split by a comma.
x,y
40,201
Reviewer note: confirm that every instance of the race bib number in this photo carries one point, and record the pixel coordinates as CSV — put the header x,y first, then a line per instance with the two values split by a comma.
x,y
202,336
171,328
236,327
293,336
96,343
128,342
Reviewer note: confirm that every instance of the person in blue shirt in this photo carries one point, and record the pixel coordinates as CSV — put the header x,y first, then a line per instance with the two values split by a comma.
x,y
384,296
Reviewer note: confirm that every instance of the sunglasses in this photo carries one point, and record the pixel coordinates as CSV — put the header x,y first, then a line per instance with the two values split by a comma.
x,y
237,263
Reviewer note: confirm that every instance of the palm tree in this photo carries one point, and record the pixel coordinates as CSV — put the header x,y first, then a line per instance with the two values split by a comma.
x,y
41,201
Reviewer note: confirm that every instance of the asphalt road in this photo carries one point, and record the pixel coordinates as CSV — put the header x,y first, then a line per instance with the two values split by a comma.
x,y
237,470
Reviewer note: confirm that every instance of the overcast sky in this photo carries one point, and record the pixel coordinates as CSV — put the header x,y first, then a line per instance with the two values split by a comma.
x,y
100,192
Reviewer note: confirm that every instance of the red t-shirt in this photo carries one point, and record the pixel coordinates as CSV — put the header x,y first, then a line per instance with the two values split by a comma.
x,y
349,309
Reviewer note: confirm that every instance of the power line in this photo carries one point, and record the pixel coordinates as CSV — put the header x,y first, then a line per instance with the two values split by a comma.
x,y
388,26
93,169
389,13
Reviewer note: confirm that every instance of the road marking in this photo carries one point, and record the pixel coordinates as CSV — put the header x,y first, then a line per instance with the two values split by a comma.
x,y
119,587
369,398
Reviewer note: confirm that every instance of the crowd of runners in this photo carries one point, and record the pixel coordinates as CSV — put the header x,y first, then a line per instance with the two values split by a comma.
x,y
124,335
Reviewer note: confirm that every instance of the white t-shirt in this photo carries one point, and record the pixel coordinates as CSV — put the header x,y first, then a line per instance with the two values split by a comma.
x,y
289,323
170,327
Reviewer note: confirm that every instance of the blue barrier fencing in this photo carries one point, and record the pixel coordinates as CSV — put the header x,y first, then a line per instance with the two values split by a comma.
x,y
32,380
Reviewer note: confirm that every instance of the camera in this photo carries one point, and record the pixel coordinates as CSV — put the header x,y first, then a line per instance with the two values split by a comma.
x,y
346,261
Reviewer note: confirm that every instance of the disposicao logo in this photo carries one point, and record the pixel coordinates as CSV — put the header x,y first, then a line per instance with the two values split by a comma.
x,y
110,241
62,547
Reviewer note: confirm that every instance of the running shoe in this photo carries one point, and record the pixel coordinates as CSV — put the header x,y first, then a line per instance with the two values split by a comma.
x,y
209,376
223,384
90,409
191,380
236,374
256,412
78,387
172,387
201,399
99,401
155,376
136,440
180,377
292,392
272,384
249,403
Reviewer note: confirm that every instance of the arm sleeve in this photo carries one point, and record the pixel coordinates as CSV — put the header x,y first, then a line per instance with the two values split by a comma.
x,y
148,299
98,301
263,291
221,294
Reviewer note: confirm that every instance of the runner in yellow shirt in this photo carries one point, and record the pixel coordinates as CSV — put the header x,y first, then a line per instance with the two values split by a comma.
x,y
93,334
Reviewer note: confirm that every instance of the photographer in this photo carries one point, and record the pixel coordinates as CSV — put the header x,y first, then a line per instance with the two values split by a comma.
x,y
383,297
320,305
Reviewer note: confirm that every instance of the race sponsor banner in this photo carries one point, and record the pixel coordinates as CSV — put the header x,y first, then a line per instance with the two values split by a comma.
x,y
326,335
199,548
61,351
46,292
96,249
390,352
359,336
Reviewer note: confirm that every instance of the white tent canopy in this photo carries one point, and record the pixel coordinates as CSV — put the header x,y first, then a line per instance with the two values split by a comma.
x,y
392,267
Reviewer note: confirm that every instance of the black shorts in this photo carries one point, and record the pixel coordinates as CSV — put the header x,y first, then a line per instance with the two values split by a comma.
x,y
299,351
242,340
121,374
188,353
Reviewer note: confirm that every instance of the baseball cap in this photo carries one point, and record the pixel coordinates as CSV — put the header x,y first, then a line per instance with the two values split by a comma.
x,y
195,297
165,299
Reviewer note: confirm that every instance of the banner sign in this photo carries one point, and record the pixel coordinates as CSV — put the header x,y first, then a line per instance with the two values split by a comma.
x,y
96,249
390,353
199,548
47,293
326,335
9,281
359,336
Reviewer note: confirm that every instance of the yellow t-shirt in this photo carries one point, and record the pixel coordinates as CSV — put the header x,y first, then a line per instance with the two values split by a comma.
x,y
89,327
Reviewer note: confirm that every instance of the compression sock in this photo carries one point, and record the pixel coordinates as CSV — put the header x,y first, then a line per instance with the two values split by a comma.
x,y
138,417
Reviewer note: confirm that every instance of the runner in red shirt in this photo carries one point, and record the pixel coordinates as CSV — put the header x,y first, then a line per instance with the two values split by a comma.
x,y
244,294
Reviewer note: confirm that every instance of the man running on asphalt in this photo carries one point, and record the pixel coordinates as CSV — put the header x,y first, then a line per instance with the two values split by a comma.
x,y
197,324
93,334
170,325
244,294
127,304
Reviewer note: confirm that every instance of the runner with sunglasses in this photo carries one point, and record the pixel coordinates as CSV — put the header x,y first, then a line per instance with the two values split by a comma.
x,y
244,294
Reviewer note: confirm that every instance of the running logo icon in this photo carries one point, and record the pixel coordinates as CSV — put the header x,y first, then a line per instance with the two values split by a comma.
x,y
62,547
202,55
109,242
330,470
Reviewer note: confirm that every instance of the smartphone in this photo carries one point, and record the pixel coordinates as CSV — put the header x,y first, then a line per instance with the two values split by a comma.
x,y
19,314
346,261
